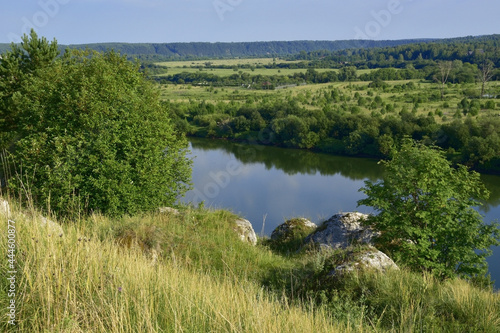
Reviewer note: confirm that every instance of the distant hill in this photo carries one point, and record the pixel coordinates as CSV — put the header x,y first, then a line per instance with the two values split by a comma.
x,y
230,50
201,50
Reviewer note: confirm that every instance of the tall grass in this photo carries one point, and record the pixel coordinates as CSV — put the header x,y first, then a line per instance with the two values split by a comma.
x,y
81,283
190,273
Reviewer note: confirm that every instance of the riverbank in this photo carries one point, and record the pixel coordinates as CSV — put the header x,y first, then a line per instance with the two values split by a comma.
x,y
189,271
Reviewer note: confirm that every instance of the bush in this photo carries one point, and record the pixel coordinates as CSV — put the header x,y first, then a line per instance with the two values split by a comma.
x,y
92,135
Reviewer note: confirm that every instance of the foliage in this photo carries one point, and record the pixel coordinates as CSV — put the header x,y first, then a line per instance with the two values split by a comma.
x,y
426,216
91,134
16,66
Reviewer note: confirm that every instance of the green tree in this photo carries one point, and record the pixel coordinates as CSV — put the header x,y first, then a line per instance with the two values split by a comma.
x,y
16,65
425,213
92,136
348,73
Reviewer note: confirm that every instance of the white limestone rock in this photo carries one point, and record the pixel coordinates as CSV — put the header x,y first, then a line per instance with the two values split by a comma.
x,y
341,231
245,231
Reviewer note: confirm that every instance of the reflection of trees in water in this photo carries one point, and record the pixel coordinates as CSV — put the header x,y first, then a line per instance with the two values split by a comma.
x,y
293,161
492,183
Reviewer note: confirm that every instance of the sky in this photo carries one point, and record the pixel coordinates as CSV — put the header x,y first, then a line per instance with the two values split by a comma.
x,y
164,21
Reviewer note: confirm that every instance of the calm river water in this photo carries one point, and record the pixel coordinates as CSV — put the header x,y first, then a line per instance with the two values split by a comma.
x,y
268,185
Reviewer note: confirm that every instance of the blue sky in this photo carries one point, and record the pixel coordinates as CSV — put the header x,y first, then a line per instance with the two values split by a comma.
x,y
89,21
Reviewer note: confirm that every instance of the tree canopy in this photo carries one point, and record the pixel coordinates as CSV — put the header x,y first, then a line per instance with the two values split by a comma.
x,y
425,215
87,132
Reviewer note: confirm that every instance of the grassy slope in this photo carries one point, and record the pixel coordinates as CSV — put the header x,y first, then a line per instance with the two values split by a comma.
x,y
190,273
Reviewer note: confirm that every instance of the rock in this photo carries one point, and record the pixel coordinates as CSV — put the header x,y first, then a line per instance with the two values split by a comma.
x,y
287,230
4,208
245,231
369,259
170,210
52,227
341,231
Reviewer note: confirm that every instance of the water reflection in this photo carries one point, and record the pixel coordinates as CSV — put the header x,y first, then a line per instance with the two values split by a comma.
x,y
294,161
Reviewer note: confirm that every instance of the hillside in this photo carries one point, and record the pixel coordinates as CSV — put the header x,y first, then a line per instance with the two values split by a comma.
x,y
230,50
188,271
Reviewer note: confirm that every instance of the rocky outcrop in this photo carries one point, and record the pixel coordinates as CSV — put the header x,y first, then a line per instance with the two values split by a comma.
x,y
291,228
367,259
245,231
342,230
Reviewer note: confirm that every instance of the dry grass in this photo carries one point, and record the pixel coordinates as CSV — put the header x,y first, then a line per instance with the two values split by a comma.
x,y
187,273
79,283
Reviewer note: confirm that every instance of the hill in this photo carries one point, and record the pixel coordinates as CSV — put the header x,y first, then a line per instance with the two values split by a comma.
x,y
230,50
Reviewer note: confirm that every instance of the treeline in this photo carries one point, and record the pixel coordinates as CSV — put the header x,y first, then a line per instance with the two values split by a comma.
x,y
459,73
201,50
328,53
472,50
468,140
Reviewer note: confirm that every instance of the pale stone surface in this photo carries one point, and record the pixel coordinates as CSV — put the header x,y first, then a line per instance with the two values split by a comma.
x,y
245,231
342,230
285,230
4,208
370,259
169,210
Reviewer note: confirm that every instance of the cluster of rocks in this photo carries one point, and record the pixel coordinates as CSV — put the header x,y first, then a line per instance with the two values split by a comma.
x,y
341,231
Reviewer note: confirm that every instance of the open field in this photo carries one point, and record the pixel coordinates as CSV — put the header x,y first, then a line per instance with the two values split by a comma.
x,y
224,62
423,99
223,72
257,64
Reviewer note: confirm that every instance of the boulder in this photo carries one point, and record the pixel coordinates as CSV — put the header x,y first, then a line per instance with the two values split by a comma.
x,y
290,228
245,231
341,231
369,259
4,208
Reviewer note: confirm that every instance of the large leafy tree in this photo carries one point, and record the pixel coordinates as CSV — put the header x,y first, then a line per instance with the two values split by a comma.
x,y
91,135
425,214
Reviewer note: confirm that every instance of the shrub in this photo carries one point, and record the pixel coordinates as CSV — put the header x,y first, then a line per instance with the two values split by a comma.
x,y
92,135
426,216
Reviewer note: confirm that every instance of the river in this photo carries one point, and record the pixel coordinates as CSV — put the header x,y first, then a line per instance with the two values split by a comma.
x,y
268,185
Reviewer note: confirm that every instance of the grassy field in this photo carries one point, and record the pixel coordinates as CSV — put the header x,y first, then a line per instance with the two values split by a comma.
x,y
176,67
224,62
191,273
224,72
424,99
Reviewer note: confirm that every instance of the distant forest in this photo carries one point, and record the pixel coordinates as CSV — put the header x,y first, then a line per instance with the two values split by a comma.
x,y
199,50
